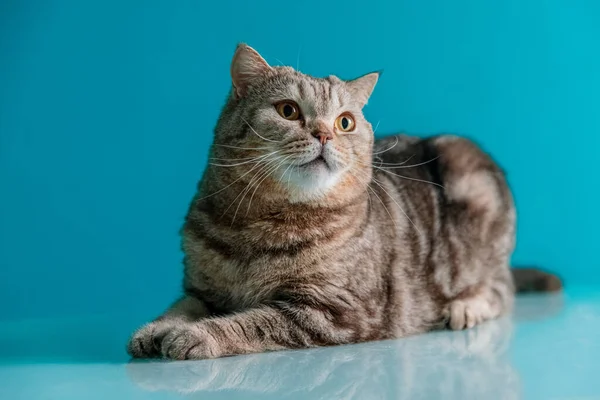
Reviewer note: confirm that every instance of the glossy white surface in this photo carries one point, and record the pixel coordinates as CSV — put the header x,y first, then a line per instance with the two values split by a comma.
x,y
549,349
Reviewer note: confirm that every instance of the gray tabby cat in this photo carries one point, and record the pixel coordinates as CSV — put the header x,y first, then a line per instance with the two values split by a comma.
x,y
307,232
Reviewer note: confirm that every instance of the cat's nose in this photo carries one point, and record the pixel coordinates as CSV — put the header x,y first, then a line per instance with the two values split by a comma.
x,y
322,132
323,136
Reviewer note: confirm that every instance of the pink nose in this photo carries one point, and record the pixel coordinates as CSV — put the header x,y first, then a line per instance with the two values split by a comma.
x,y
323,136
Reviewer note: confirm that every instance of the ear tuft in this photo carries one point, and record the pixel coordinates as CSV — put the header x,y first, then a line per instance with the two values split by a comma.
x,y
247,65
362,87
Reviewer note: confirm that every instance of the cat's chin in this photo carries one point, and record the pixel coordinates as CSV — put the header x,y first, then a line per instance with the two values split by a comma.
x,y
309,181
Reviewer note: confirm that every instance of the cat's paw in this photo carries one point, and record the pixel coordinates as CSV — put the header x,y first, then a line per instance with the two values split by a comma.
x,y
468,312
190,342
146,341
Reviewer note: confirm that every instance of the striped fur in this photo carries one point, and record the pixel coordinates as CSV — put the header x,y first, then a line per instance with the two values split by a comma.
x,y
382,239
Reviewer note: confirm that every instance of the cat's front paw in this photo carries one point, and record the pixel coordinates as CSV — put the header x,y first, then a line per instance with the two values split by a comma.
x,y
146,341
190,342
466,313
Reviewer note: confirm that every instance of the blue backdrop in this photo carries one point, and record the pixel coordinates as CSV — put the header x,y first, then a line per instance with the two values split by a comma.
x,y
107,109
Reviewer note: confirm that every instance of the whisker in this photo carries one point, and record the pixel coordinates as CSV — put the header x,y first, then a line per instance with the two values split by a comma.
x,y
376,126
263,179
232,165
245,162
289,176
411,165
355,171
381,162
220,190
409,178
392,198
369,198
392,164
385,170
384,206
246,188
257,134
241,148
401,209
297,168
234,159
265,172
389,148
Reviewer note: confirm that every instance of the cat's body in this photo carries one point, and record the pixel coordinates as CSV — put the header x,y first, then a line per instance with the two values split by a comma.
x,y
306,234
384,276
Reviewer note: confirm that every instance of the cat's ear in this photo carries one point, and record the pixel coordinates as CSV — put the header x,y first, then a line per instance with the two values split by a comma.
x,y
247,65
362,87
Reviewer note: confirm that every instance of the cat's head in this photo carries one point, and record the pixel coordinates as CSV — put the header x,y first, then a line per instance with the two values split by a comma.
x,y
295,134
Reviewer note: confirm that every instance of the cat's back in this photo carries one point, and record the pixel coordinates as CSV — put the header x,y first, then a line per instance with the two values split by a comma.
x,y
450,167
460,208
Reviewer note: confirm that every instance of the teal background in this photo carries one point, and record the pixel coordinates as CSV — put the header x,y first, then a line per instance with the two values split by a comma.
x,y
107,109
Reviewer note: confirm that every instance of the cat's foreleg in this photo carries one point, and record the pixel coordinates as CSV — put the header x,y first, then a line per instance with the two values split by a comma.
x,y
266,328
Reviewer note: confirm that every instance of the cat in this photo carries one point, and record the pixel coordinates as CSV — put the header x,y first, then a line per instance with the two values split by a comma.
x,y
306,231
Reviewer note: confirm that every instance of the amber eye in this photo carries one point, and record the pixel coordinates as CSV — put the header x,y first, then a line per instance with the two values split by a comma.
x,y
288,110
345,123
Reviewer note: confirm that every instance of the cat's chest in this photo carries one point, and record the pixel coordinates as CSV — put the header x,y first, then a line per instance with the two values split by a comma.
x,y
231,286
231,281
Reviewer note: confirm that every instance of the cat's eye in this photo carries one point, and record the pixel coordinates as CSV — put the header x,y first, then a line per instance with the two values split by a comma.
x,y
345,123
288,110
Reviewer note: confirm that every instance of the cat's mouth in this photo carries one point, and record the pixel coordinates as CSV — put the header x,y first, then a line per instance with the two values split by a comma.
x,y
316,162
315,176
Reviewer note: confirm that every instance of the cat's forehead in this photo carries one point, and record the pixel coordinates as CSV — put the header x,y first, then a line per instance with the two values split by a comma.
x,y
315,95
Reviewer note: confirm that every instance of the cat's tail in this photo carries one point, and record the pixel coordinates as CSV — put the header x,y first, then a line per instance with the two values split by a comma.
x,y
535,280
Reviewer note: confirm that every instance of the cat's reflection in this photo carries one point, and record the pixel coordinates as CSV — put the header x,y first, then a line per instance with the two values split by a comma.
x,y
462,365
